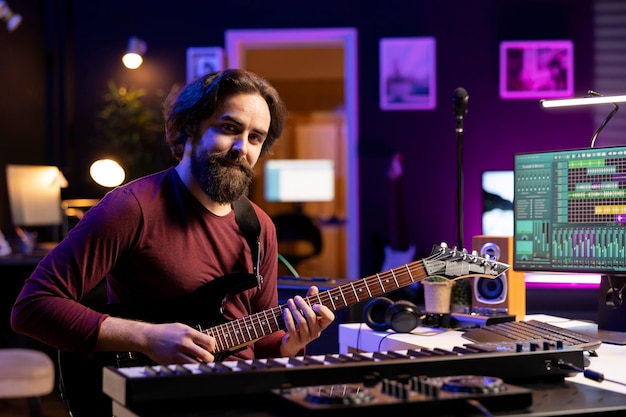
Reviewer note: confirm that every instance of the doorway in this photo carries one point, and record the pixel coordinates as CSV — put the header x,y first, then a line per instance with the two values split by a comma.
x,y
311,68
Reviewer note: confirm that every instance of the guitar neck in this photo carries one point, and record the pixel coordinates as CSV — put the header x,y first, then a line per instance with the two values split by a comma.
x,y
240,332
442,261
372,286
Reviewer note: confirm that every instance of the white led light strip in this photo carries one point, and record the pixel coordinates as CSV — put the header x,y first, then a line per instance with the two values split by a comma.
x,y
582,101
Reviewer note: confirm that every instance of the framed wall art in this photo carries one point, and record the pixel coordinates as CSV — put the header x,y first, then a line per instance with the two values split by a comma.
x,y
407,73
536,69
201,61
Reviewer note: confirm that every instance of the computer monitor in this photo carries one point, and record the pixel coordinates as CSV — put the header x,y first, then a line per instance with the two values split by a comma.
x,y
34,195
299,180
570,217
497,198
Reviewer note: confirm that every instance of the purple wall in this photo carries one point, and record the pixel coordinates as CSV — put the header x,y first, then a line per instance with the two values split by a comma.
x,y
90,36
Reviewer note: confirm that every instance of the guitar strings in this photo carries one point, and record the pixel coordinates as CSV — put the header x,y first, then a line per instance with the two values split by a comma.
x,y
231,334
239,332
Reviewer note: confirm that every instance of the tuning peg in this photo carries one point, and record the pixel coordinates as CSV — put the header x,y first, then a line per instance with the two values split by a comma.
x,y
471,257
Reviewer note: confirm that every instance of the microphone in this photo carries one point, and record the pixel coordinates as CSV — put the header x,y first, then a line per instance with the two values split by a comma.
x,y
460,99
460,102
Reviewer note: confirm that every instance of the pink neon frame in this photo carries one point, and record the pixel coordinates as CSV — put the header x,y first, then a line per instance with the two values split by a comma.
x,y
536,69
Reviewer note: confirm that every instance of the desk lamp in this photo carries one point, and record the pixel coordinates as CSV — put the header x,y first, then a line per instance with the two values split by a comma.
x,y
104,172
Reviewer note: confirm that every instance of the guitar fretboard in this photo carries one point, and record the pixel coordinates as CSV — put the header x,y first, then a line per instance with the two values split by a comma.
x,y
239,332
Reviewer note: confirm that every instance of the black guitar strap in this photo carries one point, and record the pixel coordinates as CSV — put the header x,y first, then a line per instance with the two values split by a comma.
x,y
251,228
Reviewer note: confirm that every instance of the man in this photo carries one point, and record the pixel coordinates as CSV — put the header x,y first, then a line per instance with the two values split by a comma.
x,y
163,237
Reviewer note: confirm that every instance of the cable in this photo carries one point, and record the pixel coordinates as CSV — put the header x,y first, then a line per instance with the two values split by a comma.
x,y
288,265
587,373
358,337
380,344
480,407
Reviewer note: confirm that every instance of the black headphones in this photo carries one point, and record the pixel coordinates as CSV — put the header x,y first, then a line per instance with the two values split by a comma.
x,y
401,316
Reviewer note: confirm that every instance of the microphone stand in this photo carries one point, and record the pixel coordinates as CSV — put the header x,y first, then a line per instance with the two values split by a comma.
x,y
459,180
460,99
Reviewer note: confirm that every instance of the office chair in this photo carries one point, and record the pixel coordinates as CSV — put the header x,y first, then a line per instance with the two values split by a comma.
x,y
299,238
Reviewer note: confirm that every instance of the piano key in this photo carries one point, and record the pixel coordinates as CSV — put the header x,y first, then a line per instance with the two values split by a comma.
x,y
443,351
385,355
419,353
335,359
221,367
304,360
273,363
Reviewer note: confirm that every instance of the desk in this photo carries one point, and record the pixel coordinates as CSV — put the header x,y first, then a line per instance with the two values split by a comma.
x,y
241,392
610,360
29,261
14,269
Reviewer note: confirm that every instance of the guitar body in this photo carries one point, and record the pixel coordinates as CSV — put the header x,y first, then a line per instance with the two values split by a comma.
x,y
397,257
81,377
80,382
398,251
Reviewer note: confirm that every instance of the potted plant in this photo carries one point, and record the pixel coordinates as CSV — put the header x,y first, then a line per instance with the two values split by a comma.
x,y
437,294
130,130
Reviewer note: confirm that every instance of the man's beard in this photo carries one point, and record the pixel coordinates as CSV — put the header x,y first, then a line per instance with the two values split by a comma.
x,y
221,181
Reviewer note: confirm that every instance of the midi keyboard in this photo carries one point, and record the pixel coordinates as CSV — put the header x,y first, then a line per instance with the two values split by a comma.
x,y
533,333
137,386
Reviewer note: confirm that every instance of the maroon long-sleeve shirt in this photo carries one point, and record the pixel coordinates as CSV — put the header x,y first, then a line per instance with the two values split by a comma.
x,y
154,243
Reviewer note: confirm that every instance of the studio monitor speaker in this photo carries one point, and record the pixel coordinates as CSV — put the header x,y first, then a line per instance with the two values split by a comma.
x,y
506,293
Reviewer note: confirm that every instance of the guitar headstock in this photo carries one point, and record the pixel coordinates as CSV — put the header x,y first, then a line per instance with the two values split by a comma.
x,y
455,263
395,167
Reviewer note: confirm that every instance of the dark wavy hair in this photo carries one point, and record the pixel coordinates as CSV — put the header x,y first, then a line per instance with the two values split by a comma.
x,y
185,108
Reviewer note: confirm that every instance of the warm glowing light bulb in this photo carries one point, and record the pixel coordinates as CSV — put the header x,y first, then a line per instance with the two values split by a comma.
x,y
132,60
107,173
134,53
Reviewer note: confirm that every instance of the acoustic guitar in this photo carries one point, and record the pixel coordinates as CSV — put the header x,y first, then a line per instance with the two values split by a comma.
x,y
81,378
